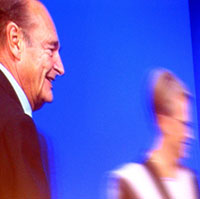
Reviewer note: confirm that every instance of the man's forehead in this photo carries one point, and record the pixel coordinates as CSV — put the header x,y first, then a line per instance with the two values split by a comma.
x,y
39,12
35,5
43,22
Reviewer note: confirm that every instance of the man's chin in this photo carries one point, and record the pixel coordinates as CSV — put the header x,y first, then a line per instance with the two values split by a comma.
x,y
47,96
43,100
48,99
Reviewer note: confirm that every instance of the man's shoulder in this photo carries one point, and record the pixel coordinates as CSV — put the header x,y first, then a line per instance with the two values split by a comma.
x,y
11,111
8,105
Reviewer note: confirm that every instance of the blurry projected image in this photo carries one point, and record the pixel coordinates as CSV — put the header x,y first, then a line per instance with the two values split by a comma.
x,y
161,175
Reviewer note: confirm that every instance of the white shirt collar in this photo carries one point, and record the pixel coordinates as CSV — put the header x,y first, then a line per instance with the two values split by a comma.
x,y
18,90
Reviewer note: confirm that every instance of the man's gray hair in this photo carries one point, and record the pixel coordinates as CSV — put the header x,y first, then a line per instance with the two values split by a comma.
x,y
14,11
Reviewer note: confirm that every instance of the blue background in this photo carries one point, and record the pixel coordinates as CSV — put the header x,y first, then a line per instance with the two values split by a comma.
x,y
98,119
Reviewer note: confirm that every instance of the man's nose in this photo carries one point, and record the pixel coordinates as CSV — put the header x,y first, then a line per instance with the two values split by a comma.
x,y
58,66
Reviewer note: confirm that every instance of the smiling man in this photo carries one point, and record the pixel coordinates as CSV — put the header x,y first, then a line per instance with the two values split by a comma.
x,y
29,62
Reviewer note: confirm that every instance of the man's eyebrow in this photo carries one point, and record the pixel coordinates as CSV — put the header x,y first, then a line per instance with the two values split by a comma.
x,y
54,44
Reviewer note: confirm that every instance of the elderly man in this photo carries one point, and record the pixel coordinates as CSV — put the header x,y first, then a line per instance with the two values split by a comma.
x,y
161,176
29,62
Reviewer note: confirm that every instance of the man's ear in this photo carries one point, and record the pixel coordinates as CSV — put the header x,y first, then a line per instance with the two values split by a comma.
x,y
15,39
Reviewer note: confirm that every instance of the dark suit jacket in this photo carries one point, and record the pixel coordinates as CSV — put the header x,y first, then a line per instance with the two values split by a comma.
x,y
22,174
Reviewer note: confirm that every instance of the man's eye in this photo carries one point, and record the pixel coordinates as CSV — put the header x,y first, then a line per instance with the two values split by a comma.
x,y
50,51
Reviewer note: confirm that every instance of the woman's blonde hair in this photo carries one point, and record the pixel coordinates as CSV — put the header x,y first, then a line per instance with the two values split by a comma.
x,y
166,88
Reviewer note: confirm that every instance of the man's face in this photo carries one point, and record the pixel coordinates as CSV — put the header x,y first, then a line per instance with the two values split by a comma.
x,y
40,61
177,128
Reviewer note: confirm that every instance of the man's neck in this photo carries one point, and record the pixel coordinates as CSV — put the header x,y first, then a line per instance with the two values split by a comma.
x,y
8,62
